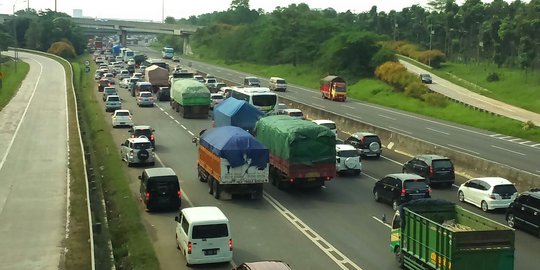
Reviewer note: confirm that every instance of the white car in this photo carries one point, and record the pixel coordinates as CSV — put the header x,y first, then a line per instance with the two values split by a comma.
x,y
327,123
122,118
347,159
124,83
145,98
137,150
488,193
296,113
216,99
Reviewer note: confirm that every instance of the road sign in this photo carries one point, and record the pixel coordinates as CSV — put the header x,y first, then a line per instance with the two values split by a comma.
x,y
1,75
87,69
86,63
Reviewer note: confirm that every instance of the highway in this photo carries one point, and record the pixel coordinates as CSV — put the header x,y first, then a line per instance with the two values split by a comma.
x,y
337,227
33,169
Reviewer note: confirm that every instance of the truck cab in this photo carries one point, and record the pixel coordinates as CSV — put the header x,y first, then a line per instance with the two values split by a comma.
x,y
333,88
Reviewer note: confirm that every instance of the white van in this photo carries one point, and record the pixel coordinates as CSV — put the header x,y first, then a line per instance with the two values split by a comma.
x,y
203,235
277,84
327,123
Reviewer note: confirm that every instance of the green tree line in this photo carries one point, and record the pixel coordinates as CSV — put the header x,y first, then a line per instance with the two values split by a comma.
x,y
44,31
507,34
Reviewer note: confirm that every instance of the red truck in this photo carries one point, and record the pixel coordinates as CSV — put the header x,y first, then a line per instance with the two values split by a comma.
x,y
301,152
333,88
98,45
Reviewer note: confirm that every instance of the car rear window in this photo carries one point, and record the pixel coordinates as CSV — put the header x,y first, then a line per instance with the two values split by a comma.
x,y
164,184
442,164
415,184
347,153
281,82
217,97
145,132
329,125
122,114
113,98
142,145
210,231
504,189
296,114
146,94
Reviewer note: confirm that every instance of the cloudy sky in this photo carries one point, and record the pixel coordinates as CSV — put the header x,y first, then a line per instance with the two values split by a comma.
x,y
152,9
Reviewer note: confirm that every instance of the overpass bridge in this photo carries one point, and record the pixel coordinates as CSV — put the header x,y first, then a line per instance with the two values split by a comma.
x,y
125,27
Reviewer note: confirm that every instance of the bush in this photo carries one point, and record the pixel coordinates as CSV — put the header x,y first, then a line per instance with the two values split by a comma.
x,y
63,49
528,125
493,77
435,99
416,90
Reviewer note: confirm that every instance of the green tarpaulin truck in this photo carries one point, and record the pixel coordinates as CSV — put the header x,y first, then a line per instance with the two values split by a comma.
x,y
440,235
301,152
190,97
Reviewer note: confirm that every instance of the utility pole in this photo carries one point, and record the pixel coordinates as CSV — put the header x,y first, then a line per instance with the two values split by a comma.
x,y
163,11
430,34
55,5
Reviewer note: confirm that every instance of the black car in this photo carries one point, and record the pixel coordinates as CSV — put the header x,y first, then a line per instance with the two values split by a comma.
x,y
368,144
434,168
399,188
163,94
146,131
524,211
426,78
160,189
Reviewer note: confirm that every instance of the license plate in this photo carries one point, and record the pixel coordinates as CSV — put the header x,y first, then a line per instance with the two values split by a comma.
x,y
122,123
312,179
210,252
313,174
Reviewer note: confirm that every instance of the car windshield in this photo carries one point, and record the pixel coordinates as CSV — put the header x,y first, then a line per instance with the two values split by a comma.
x,y
122,113
146,87
113,99
209,231
110,91
142,145
415,184
329,125
504,189
442,164
347,153
264,100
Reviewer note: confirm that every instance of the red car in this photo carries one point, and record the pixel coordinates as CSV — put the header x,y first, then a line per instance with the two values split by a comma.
x,y
102,84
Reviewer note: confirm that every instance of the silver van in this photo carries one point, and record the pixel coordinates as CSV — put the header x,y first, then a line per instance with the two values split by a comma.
x,y
277,84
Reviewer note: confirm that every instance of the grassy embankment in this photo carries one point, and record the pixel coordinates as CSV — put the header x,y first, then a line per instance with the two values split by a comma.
x,y
13,76
131,246
515,87
377,92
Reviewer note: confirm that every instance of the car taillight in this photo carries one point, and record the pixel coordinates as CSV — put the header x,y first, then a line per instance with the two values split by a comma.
x,y
147,195
403,192
328,178
152,137
179,194
291,180
189,247
230,244
430,171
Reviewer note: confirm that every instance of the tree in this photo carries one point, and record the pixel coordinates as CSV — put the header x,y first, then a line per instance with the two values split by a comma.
x,y
6,40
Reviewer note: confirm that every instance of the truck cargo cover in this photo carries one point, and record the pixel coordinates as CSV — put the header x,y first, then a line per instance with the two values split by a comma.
x,y
235,145
296,140
157,75
190,92
238,113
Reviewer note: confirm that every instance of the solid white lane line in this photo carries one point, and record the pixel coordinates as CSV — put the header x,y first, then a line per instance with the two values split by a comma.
x,y
347,106
400,130
380,221
461,148
511,151
335,255
445,133
353,116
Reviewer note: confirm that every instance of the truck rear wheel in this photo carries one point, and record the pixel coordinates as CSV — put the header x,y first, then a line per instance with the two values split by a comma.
x,y
216,190
399,257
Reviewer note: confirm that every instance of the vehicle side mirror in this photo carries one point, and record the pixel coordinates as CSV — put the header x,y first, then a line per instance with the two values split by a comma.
x,y
176,219
140,177
194,140
122,144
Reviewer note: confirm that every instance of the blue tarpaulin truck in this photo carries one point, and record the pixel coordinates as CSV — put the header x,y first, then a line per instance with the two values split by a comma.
x,y
238,113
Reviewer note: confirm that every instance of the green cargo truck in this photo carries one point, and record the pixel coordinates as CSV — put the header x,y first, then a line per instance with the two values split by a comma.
x,y
190,98
301,152
440,235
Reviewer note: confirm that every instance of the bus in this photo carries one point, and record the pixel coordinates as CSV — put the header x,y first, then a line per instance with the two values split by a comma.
x,y
260,97
167,53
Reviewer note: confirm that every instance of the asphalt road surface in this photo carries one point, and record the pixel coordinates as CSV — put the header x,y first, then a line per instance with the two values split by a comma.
x,y
336,227
500,148
33,169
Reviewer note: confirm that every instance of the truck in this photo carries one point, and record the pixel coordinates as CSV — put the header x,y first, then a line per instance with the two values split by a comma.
x,y
98,45
191,98
116,50
238,113
440,235
157,76
333,88
301,152
232,162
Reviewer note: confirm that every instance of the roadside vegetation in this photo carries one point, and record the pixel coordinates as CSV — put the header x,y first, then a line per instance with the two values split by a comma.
x,y
131,245
14,74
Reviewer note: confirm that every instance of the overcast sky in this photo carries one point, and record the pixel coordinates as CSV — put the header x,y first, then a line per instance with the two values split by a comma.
x,y
152,9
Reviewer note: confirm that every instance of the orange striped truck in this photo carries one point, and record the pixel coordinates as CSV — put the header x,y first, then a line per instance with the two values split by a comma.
x,y
232,162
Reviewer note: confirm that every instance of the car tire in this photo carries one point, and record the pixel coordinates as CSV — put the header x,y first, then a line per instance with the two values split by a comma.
x,y
357,173
511,220
376,196
461,196
484,206
216,189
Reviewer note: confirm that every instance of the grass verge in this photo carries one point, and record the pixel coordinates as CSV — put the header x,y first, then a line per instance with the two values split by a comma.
x,y
377,92
14,74
513,84
132,248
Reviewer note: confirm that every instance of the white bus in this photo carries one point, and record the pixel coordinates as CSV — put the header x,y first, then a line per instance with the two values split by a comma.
x,y
260,97
167,52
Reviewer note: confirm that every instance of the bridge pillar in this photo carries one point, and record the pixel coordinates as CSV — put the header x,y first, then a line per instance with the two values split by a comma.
x,y
186,49
123,37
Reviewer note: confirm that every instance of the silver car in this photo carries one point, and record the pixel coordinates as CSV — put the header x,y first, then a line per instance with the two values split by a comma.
x,y
137,151
145,98
113,103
